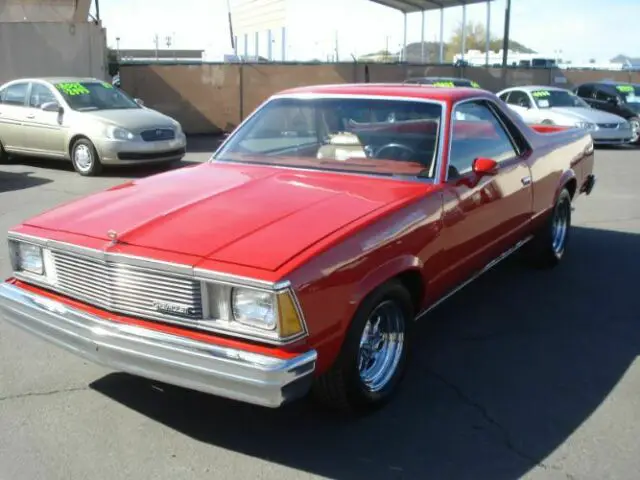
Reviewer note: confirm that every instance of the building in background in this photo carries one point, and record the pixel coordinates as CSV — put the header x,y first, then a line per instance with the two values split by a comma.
x,y
258,26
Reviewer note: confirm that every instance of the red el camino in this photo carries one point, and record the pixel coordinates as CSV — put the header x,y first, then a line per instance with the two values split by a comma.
x,y
299,258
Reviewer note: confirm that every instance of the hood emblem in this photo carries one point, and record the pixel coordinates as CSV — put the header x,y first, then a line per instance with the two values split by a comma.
x,y
113,236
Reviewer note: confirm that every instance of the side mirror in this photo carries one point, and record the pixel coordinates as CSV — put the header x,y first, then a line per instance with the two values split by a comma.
x,y
484,166
51,107
139,101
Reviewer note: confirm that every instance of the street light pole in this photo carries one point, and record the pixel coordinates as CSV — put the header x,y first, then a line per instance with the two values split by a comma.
x,y
505,39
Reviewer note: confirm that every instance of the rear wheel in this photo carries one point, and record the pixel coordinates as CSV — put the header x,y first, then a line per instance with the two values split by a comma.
x,y
84,158
373,358
548,247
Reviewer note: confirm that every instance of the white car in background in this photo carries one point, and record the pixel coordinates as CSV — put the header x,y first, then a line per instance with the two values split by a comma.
x,y
558,106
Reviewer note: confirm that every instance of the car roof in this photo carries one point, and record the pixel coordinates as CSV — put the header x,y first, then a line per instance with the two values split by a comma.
x,y
55,79
443,94
531,88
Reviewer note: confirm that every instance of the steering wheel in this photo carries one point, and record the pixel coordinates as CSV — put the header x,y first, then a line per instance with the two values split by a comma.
x,y
405,152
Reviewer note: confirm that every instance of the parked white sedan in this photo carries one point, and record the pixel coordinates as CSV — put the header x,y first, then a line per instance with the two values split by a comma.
x,y
558,106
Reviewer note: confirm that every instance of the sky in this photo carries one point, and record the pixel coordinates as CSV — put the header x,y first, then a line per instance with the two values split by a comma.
x,y
581,29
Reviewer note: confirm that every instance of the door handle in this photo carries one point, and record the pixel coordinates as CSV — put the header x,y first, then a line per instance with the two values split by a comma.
x,y
526,180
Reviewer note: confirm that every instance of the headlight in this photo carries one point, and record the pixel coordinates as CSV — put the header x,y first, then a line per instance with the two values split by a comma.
x,y
27,257
253,307
586,125
118,133
251,312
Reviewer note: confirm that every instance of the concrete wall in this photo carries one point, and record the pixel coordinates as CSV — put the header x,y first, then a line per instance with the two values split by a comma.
x,y
44,10
213,98
52,49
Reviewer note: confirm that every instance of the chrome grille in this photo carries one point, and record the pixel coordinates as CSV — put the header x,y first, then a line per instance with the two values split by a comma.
x,y
608,125
127,289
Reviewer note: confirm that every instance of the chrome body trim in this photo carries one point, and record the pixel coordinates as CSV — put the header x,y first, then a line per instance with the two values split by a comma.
x,y
179,272
232,373
475,276
435,175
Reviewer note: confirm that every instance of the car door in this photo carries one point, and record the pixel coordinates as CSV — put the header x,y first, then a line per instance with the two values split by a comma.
x,y
484,216
606,100
12,108
45,129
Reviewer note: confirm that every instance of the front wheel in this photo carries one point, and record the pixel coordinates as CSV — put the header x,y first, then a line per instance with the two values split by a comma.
x,y
549,245
635,128
372,361
84,158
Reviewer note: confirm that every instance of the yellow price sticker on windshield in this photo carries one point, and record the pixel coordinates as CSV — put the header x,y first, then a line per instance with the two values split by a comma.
x,y
107,85
443,84
73,89
541,93
475,84
625,88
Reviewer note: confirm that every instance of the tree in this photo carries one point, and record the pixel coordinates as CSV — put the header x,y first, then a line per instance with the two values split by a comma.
x,y
476,39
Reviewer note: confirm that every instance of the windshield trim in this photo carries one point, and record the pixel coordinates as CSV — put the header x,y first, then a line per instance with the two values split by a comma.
x,y
317,96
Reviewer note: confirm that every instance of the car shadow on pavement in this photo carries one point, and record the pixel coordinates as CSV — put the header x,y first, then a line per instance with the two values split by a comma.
x,y
503,374
10,181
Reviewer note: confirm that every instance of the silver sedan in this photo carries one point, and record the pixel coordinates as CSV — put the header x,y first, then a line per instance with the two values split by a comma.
x,y
84,120
557,106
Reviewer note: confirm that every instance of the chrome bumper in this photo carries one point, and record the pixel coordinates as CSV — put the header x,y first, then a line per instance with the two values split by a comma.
x,y
226,372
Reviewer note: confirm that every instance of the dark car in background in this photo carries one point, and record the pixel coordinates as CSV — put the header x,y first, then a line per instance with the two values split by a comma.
x,y
619,98
443,82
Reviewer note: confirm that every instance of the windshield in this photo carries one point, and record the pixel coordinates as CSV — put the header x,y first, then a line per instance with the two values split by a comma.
x,y
557,98
374,136
86,96
631,95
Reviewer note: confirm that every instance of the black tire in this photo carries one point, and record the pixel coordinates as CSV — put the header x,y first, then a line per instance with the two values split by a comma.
x,y
341,387
549,245
92,166
4,156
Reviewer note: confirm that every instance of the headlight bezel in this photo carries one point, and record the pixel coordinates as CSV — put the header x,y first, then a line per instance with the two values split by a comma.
x,y
45,276
221,320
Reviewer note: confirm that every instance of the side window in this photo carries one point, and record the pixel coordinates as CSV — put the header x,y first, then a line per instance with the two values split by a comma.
x,y
483,137
504,96
40,94
519,98
603,95
15,94
585,91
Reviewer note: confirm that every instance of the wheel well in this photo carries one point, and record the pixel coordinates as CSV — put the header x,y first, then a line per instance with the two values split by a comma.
x,y
572,186
73,140
412,281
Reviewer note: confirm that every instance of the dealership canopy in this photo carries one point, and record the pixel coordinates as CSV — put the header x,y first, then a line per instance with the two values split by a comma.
x,y
413,6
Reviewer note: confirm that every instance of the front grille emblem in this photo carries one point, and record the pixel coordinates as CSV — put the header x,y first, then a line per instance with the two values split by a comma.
x,y
113,236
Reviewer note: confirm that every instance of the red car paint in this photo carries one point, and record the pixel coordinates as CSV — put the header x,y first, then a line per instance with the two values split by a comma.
x,y
335,236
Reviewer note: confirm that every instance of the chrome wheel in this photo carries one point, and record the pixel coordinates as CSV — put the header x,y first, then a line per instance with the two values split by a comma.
x,y
381,346
635,128
559,227
83,158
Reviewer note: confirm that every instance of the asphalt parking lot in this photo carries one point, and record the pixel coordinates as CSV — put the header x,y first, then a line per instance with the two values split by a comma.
x,y
524,374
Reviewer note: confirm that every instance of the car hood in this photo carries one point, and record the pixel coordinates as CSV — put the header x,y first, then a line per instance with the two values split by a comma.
x,y
134,119
257,216
586,114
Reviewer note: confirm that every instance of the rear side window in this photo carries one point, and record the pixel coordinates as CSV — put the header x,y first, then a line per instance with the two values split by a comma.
x,y
585,91
15,94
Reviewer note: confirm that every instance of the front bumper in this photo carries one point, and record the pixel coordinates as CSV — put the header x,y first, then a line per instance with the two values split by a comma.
x,y
231,373
118,152
612,136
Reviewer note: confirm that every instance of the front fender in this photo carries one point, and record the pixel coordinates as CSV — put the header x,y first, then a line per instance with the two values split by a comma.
x,y
383,273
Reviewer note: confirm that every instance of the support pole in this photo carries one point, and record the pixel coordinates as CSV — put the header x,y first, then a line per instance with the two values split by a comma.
x,y
257,47
505,40
269,45
422,38
442,35
488,28
284,43
404,39
463,46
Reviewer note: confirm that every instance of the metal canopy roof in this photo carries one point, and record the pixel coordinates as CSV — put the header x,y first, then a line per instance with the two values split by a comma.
x,y
410,6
